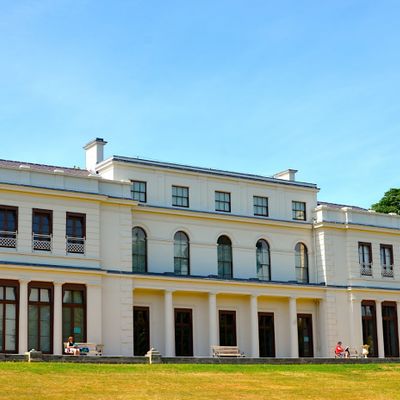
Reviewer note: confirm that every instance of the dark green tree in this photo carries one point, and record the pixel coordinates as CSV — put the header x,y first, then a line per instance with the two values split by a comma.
x,y
389,203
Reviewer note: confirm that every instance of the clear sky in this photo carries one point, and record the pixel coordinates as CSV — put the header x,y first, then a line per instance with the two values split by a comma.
x,y
254,86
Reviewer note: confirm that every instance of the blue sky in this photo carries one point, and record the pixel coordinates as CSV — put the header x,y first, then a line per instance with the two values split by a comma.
x,y
249,86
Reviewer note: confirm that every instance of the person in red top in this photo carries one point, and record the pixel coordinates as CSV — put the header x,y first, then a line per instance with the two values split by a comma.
x,y
339,350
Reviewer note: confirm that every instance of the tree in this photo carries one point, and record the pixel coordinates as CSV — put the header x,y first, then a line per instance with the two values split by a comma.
x,y
389,203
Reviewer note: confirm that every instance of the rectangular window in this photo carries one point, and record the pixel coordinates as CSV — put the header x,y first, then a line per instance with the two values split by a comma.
x,y
74,312
386,251
260,206
223,201
42,229
8,226
298,210
40,316
365,258
139,191
75,233
180,196
9,316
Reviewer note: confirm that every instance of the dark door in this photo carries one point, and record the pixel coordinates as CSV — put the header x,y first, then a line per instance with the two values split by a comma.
x,y
266,334
305,335
227,328
390,331
141,330
368,315
183,332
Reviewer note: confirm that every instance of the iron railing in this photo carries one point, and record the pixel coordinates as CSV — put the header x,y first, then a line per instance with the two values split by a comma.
x,y
8,239
366,269
42,242
75,244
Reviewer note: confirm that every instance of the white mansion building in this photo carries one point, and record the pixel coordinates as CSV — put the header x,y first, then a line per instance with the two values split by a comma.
x,y
134,254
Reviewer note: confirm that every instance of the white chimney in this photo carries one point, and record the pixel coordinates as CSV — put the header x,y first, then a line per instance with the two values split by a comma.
x,y
288,175
94,153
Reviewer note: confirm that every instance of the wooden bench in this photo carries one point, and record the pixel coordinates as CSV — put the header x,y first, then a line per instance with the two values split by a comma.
x,y
226,351
88,349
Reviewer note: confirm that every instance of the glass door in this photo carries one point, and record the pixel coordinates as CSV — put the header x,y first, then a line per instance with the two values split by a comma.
x,y
305,335
141,330
266,334
183,332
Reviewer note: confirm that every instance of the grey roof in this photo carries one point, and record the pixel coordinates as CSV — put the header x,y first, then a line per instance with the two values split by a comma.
x,y
209,171
43,168
335,205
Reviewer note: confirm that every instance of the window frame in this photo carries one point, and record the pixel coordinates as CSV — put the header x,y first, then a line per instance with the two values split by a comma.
x,y
75,244
224,328
75,287
175,197
16,302
262,276
222,263
387,269
258,206
140,255
9,236
306,268
179,258
224,202
139,192
43,285
365,267
296,211
39,211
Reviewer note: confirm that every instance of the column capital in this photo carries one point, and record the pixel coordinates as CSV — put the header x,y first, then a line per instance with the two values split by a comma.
x,y
23,281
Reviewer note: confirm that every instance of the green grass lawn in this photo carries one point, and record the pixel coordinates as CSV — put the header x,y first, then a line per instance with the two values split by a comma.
x,y
99,381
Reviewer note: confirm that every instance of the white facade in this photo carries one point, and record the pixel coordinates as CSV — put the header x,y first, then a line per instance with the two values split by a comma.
x,y
68,264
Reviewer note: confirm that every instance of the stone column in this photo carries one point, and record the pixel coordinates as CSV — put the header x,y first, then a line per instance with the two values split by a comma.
x,y
294,341
23,317
57,320
255,349
169,324
379,329
322,327
212,321
356,334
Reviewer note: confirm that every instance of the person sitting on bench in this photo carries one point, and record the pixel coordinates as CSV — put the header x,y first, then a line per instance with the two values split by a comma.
x,y
72,348
341,352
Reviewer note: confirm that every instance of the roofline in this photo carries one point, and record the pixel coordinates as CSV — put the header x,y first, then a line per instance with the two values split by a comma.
x,y
208,171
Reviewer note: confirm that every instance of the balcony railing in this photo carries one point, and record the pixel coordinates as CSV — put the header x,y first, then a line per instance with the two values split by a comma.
x,y
41,242
8,239
75,244
387,271
366,269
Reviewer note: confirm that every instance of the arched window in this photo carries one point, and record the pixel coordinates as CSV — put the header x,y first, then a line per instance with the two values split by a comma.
x,y
301,262
139,250
181,254
225,258
263,260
